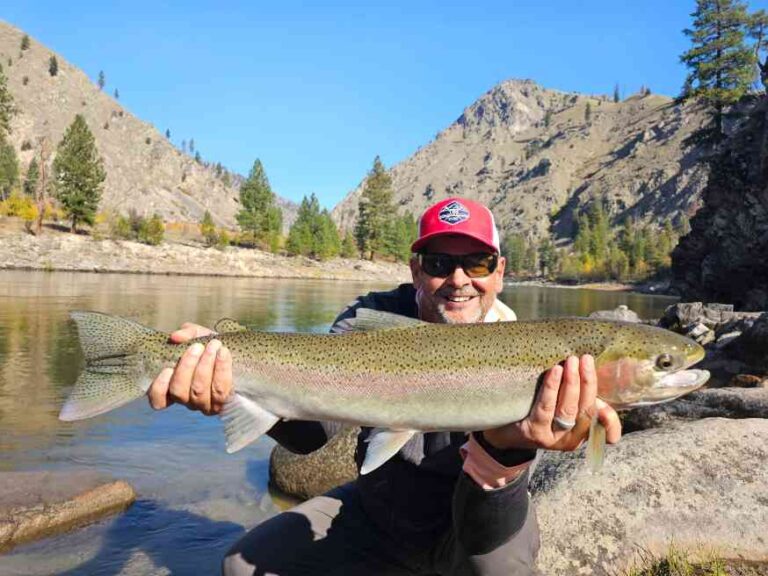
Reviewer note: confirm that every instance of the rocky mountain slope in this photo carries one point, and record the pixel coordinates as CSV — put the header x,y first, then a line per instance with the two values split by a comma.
x,y
723,259
144,170
532,155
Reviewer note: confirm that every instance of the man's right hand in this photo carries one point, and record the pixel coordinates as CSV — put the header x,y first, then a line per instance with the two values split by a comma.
x,y
202,378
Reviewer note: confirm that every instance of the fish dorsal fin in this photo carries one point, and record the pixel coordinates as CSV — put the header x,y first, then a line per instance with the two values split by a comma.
x,y
244,421
382,445
226,325
367,319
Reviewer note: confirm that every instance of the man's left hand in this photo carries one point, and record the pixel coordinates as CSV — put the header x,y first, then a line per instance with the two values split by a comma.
x,y
568,392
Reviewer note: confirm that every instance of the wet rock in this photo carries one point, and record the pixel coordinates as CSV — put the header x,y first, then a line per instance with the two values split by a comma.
x,y
38,504
684,314
734,403
621,312
309,475
700,483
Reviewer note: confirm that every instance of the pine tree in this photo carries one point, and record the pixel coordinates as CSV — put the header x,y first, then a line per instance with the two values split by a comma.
x,y
514,251
208,230
31,179
116,94
374,210
9,168
191,145
168,133
616,95
25,42
102,80
547,257
400,233
53,66
349,246
300,236
547,118
588,113
721,64
7,109
259,214
78,173
758,27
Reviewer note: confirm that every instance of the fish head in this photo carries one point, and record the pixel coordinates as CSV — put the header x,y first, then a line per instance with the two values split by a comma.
x,y
645,365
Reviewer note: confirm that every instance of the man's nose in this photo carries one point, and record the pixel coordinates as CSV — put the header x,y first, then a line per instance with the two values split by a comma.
x,y
458,278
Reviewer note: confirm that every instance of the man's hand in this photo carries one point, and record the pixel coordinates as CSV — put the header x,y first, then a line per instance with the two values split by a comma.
x,y
202,378
568,392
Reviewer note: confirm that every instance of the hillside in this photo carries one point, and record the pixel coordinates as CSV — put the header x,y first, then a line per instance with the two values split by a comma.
x,y
144,170
529,153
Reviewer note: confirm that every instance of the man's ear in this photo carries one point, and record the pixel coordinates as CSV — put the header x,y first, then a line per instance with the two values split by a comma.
x,y
415,270
500,271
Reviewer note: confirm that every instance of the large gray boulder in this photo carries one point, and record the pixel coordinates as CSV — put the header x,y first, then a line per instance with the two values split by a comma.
x,y
696,484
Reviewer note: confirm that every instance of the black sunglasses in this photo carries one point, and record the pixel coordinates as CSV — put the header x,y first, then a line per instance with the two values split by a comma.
x,y
474,265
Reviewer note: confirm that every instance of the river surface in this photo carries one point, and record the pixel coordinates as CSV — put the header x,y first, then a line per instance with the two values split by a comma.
x,y
194,499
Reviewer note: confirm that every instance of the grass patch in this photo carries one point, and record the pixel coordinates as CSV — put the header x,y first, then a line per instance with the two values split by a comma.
x,y
679,562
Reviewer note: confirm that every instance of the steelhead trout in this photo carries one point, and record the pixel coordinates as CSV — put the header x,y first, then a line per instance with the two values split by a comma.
x,y
395,374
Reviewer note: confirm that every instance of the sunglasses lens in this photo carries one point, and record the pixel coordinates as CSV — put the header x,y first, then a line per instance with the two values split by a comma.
x,y
479,265
438,265
474,265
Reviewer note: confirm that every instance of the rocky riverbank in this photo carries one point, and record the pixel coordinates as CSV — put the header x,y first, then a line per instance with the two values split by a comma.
x,y
70,252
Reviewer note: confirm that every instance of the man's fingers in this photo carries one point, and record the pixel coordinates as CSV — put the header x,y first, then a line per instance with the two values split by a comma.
x,y
588,376
158,390
569,393
222,380
188,331
610,420
181,381
200,393
546,403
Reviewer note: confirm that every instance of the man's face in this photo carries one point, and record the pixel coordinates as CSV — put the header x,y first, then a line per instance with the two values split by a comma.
x,y
457,299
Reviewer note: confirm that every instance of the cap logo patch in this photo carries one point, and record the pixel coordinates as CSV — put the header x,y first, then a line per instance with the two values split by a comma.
x,y
453,213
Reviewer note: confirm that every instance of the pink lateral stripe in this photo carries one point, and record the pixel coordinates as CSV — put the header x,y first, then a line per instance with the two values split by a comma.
x,y
486,471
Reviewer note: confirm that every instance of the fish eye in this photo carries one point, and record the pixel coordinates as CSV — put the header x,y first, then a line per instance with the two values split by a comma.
x,y
664,362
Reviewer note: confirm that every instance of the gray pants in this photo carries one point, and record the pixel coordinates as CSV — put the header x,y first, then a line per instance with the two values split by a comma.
x,y
330,535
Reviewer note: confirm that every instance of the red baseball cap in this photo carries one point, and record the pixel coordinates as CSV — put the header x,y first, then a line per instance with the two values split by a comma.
x,y
457,216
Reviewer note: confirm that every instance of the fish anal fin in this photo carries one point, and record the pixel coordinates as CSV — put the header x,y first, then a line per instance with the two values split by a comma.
x,y
596,446
382,445
244,421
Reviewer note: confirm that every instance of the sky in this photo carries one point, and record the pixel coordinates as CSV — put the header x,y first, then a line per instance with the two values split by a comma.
x,y
316,90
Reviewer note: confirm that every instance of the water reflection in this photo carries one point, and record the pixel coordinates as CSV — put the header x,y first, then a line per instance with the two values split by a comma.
x,y
194,498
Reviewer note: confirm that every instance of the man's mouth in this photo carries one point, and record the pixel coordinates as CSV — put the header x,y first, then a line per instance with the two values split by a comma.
x,y
458,299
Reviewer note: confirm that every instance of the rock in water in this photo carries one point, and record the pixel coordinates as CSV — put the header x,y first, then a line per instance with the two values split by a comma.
x,y
701,483
309,475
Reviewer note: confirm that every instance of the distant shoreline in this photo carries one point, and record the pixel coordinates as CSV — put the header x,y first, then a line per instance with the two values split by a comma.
x,y
59,252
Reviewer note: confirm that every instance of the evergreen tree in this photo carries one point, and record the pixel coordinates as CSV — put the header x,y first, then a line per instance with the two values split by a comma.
x,y
313,233
374,210
547,256
168,133
25,42
78,173
116,94
7,109
616,95
531,260
102,80
349,246
191,145
588,113
259,214
9,168
32,178
721,64
328,243
400,233
208,230
514,251
547,118
53,66
758,27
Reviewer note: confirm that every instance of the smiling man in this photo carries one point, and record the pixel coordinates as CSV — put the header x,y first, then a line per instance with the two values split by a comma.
x,y
450,503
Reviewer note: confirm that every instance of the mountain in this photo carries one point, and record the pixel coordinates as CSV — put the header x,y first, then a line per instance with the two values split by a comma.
x,y
535,159
145,171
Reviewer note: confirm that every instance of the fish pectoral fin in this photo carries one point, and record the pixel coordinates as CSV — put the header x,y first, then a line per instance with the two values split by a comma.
x,y
366,319
226,325
596,445
244,421
382,445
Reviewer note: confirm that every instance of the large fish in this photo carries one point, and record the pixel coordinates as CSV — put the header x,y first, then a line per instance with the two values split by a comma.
x,y
396,374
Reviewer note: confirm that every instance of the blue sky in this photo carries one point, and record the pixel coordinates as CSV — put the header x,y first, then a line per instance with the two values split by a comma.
x,y
317,89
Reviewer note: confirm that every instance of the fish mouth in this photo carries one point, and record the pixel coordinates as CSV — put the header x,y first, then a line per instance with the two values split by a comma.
x,y
675,384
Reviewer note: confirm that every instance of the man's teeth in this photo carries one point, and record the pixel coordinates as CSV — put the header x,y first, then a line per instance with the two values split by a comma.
x,y
459,298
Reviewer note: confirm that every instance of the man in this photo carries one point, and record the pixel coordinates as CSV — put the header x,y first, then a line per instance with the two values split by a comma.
x,y
460,506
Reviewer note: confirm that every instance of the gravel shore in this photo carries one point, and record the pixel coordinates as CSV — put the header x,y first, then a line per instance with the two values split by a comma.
x,y
69,252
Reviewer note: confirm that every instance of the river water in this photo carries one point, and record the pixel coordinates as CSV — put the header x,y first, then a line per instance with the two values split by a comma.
x,y
194,499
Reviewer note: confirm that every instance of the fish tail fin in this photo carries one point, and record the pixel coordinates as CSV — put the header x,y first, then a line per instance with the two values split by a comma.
x,y
596,445
110,345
